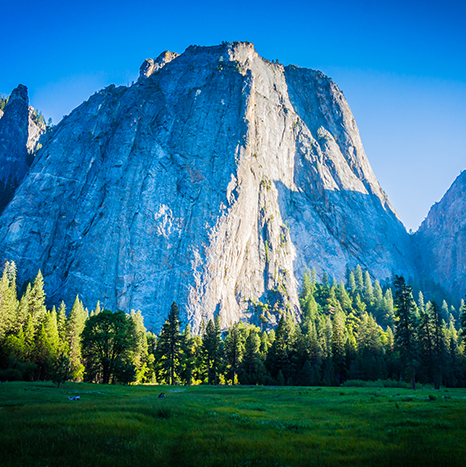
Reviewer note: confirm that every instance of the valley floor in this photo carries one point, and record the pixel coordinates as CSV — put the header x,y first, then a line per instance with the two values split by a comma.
x,y
229,426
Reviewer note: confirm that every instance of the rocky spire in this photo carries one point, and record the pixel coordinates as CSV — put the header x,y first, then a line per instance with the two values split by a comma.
x,y
13,143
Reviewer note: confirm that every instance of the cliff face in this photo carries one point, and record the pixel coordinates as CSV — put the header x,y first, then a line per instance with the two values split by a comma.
x,y
213,181
20,131
441,240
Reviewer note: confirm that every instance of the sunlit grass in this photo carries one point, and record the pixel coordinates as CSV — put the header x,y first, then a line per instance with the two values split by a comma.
x,y
232,426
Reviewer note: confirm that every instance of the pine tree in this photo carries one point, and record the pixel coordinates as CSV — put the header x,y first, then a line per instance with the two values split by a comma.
x,y
438,341
190,353
212,350
445,311
344,298
389,313
234,350
23,307
339,346
141,352
264,345
405,324
277,358
8,301
51,328
41,352
309,314
251,358
62,330
352,288
359,305
308,288
29,339
315,352
74,328
169,345
368,289
36,305
358,276
60,369
420,303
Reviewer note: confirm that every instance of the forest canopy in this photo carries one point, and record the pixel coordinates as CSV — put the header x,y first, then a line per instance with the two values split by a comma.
x,y
348,331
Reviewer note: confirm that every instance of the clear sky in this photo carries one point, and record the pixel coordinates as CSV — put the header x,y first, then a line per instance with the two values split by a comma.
x,y
400,64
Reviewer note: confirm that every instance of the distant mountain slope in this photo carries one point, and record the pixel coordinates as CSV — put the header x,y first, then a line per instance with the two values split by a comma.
x,y
441,239
213,181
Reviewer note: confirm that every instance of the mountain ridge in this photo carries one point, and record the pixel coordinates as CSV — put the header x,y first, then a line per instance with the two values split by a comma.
x,y
215,180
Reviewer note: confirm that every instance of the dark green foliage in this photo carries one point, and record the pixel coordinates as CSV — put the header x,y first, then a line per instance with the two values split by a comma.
x,y
405,324
251,362
60,370
107,340
212,348
234,350
169,345
345,333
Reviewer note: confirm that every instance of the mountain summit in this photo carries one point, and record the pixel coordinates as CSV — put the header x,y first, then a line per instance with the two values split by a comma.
x,y
214,181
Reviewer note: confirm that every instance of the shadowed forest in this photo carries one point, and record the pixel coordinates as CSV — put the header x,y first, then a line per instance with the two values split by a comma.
x,y
351,333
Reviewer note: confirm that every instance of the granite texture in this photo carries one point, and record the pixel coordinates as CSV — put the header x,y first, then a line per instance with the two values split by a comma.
x,y
441,240
214,181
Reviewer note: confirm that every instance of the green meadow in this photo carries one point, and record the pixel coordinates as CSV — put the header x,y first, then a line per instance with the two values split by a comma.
x,y
229,426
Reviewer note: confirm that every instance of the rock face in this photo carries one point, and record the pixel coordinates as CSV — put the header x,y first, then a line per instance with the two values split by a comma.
x,y
441,240
20,131
150,65
215,180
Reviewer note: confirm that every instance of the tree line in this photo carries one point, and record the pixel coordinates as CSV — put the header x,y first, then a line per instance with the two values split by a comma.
x,y
352,330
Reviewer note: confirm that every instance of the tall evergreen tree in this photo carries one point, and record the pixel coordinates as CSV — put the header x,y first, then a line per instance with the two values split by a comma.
x,y
62,330
190,356
212,350
344,298
278,356
405,324
169,345
74,328
438,338
8,301
339,346
368,289
251,358
234,350
141,351
359,278
352,287
36,305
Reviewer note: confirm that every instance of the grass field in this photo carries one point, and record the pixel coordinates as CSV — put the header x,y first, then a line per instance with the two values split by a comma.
x,y
229,426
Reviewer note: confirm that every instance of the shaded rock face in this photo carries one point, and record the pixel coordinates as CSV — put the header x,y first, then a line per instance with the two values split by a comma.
x,y
13,141
441,240
20,131
215,180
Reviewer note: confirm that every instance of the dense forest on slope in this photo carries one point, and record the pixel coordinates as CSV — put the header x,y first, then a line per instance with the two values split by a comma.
x,y
348,331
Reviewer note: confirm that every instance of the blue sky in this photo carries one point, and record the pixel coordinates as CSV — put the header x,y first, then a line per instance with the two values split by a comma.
x,y
401,66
